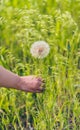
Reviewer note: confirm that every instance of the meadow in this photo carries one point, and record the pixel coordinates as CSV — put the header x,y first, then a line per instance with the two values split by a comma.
x,y
23,22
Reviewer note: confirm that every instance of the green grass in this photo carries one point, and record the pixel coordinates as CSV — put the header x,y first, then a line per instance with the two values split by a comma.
x,y
58,23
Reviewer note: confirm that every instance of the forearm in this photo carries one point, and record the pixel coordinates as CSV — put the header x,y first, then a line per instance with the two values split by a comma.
x,y
25,83
8,79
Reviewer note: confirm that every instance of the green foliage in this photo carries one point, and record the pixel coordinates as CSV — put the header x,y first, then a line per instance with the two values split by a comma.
x,y
56,22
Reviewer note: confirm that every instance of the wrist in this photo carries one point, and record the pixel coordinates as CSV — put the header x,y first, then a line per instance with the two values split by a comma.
x,y
17,82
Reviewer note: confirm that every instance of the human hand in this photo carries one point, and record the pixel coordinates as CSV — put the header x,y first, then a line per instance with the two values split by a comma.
x,y
31,84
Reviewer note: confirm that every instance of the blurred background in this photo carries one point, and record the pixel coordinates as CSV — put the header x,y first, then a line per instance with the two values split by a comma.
x,y
23,22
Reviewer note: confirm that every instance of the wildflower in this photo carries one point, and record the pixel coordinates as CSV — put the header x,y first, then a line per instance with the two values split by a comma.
x,y
40,49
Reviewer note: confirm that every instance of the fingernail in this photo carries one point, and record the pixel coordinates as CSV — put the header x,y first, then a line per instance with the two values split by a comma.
x,y
43,81
42,85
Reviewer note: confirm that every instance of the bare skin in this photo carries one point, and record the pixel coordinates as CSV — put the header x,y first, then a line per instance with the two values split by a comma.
x,y
31,84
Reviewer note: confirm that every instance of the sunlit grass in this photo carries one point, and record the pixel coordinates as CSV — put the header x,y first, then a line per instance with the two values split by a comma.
x,y
58,108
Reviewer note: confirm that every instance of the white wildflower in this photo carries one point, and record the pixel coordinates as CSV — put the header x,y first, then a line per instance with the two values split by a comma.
x,y
40,49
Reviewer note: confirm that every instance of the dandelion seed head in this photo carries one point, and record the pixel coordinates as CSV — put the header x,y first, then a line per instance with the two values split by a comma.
x,y
40,49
